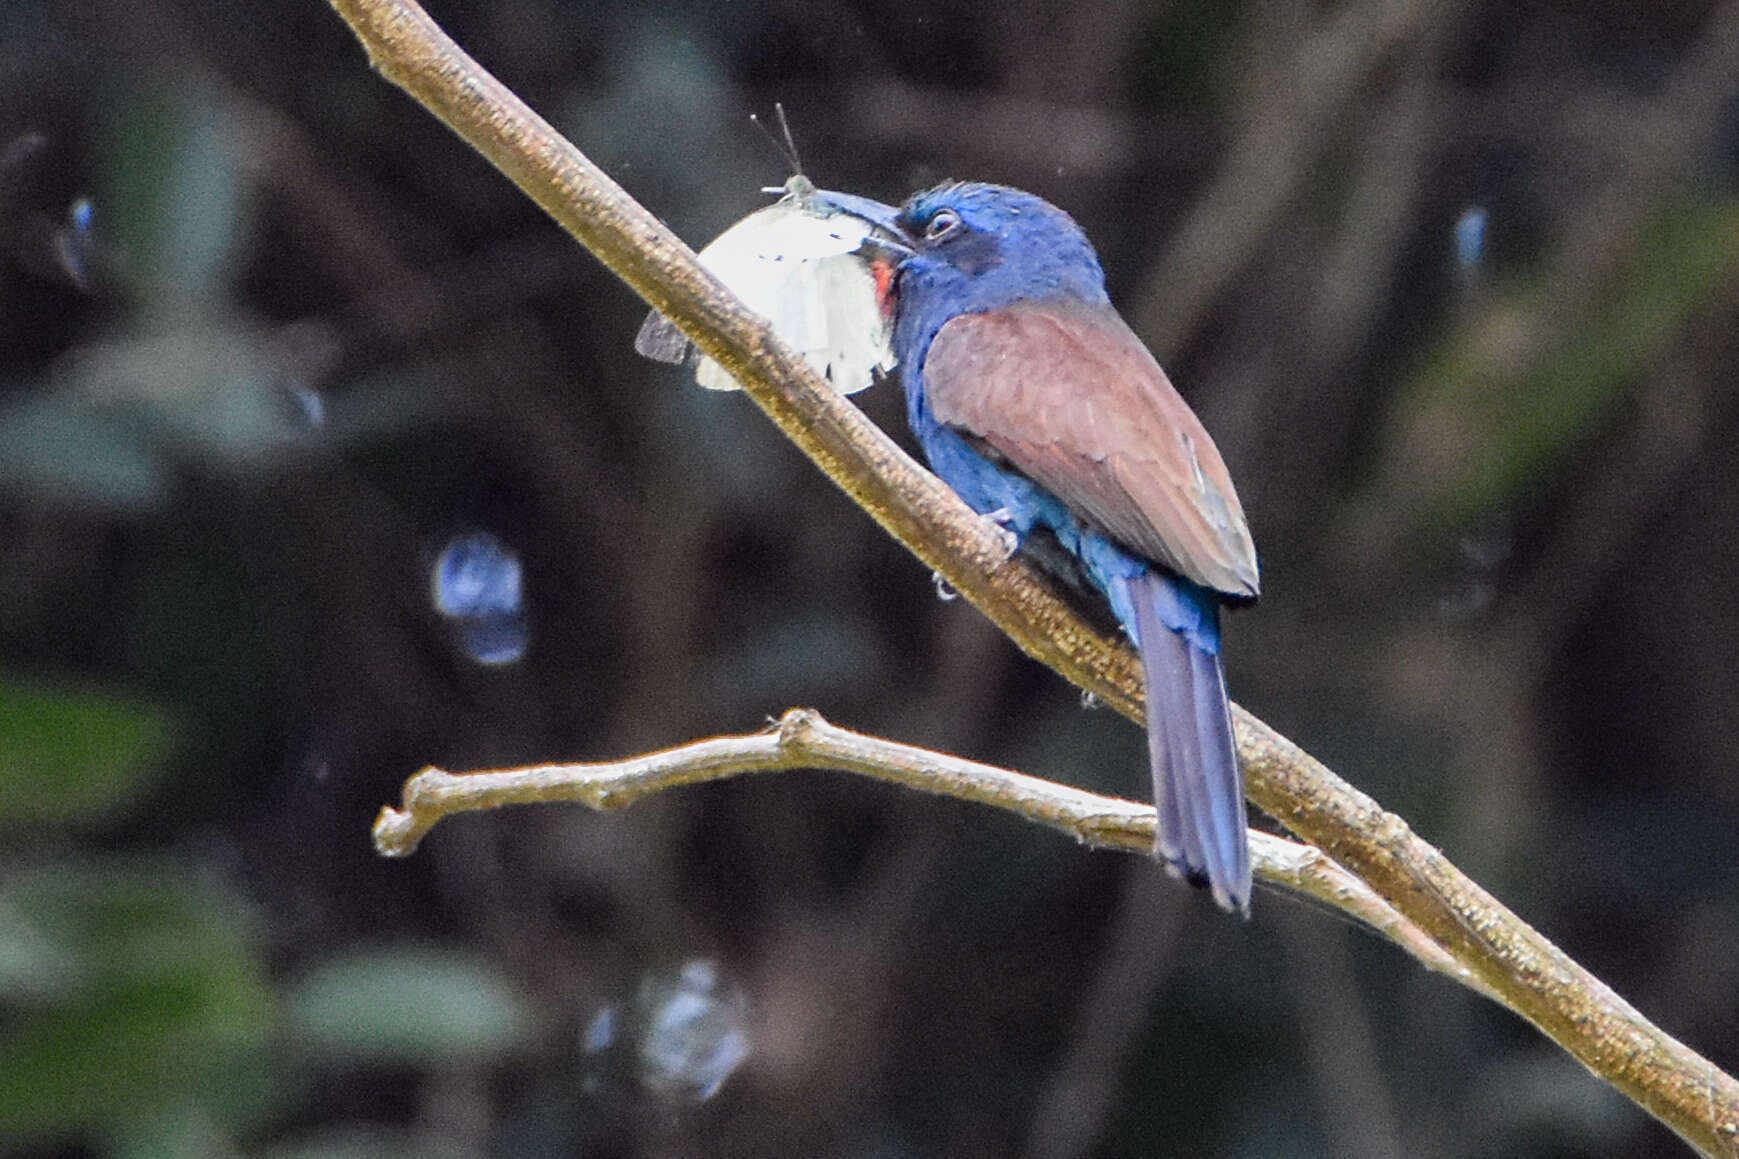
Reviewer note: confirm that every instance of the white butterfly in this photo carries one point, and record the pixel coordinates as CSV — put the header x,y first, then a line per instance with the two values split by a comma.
x,y
802,264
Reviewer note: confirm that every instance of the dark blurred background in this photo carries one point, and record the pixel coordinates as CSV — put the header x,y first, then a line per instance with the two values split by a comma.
x,y
324,456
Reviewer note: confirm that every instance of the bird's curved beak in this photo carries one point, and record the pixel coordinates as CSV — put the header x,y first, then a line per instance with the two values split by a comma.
x,y
886,216
890,242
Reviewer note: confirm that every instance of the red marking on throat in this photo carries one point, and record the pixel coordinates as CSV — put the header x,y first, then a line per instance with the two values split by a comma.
x,y
883,272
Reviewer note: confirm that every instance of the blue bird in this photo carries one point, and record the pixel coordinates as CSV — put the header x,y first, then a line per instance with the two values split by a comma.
x,y
1034,400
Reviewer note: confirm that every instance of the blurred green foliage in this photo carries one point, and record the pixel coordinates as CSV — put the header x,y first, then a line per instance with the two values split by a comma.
x,y
76,755
130,985
1532,374
407,1006
172,190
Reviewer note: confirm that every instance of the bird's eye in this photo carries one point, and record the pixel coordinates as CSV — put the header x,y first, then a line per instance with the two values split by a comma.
x,y
945,222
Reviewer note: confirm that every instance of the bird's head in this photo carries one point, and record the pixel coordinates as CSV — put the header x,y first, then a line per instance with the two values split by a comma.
x,y
980,247
969,248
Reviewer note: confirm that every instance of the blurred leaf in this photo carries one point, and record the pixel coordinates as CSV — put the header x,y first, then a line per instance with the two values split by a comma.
x,y
167,1004
75,754
174,195
182,1132
1688,254
35,968
211,387
61,451
1502,403
408,1005
119,416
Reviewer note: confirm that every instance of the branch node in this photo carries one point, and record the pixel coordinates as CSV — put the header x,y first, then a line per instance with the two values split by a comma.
x,y
797,729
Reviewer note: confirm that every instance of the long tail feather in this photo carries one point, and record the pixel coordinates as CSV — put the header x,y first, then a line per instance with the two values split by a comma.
x,y
1197,786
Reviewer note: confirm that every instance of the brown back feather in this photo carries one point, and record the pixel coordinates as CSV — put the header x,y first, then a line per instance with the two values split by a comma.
x,y
1067,393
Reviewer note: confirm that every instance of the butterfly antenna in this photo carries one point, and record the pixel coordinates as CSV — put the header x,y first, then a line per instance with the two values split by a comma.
x,y
782,141
790,141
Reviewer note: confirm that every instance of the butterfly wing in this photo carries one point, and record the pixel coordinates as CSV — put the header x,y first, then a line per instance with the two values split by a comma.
x,y
797,264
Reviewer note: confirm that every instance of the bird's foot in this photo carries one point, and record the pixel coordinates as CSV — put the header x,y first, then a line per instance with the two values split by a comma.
x,y
999,521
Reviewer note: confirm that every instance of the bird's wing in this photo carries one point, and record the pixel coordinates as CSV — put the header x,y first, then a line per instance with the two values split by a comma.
x,y
1068,394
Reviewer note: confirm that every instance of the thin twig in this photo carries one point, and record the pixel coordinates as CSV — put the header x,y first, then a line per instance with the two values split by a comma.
x,y
1498,951
803,740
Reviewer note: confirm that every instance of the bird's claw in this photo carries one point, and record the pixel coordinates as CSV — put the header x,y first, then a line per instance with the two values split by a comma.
x,y
999,522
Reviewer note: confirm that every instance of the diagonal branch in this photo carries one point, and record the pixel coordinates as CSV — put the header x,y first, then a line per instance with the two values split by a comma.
x,y
1494,947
